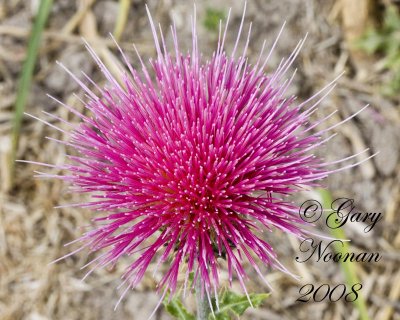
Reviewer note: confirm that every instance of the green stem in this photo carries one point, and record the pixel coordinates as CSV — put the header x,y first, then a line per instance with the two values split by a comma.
x,y
122,18
26,78
203,307
347,267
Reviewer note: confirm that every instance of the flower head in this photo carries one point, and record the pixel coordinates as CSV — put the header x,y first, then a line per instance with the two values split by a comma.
x,y
189,167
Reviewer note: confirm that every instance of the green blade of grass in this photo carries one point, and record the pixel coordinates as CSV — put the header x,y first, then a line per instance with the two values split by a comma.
x,y
347,266
26,79
122,18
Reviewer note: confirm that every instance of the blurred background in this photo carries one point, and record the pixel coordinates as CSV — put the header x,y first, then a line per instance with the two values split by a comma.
x,y
360,37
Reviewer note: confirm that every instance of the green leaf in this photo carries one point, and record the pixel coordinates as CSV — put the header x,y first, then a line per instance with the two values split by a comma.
x,y
385,41
232,303
176,309
212,19
371,42
392,19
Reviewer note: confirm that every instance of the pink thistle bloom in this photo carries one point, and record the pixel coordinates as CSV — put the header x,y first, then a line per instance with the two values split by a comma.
x,y
191,166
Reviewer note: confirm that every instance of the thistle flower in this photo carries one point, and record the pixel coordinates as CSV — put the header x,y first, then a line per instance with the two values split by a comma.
x,y
189,168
